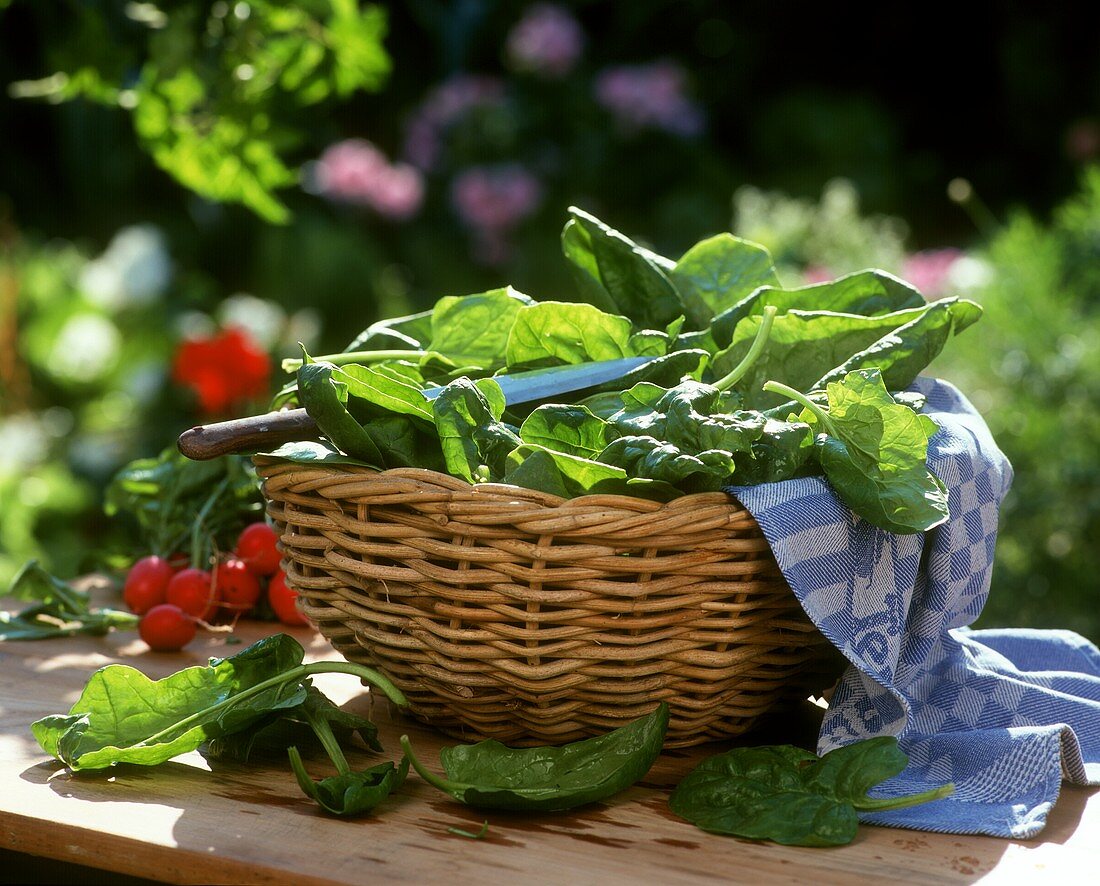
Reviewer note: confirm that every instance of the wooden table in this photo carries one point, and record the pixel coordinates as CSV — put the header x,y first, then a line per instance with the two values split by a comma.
x,y
184,822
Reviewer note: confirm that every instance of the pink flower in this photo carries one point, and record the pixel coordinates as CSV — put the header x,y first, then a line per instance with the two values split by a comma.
x,y
928,271
492,200
547,41
817,274
1083,141
355,171
443,107
649,96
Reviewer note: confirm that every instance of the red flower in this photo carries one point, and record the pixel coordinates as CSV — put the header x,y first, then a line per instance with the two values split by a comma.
x,y
223,371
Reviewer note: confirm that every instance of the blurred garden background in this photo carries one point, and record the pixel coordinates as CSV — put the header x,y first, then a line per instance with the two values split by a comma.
x,y
188,189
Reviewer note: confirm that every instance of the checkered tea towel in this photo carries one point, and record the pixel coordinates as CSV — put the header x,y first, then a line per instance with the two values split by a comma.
x,y
1004,714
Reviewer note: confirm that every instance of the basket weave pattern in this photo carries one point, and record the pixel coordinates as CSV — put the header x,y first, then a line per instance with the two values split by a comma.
x,y
512,614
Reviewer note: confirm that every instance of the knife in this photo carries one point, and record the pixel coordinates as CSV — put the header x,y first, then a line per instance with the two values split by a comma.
x,y
272,429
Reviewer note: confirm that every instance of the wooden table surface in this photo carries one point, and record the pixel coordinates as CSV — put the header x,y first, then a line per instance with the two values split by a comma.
x,y
186,822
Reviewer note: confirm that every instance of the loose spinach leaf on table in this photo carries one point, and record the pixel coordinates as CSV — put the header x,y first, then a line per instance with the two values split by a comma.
x,y
489,775
873,451
123,716
57,610
292,727
350,793
791,796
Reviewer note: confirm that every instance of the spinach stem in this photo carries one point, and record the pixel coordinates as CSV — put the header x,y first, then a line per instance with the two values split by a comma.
x,y
292,364
294,675
448,787
755,350
323,730
880,804
776,387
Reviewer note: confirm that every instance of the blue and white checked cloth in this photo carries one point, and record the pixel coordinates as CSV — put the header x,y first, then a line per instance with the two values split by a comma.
x,y
1004,714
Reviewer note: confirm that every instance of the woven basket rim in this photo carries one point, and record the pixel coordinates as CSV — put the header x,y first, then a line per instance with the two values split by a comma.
x,y
547,499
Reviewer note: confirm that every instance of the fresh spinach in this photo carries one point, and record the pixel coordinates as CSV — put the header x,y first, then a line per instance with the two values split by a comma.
x,y
488,775
873,451
122,716
717,272
292,727
474,330
475,442
560,332
325,400
617,275
57,609
791,796
867,293
573,430
698,415
350,793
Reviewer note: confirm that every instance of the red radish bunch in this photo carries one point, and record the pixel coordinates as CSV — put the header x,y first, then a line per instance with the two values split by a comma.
x,y
174,598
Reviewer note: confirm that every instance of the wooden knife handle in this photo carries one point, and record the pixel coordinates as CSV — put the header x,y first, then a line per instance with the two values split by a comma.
x,y
266,431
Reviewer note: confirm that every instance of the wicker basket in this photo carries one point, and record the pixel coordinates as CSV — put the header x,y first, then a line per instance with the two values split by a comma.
x,y
516,615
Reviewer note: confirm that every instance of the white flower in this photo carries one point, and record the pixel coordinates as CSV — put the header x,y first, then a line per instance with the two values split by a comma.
x,y
86,348
969,273
263,320
23,443
133,270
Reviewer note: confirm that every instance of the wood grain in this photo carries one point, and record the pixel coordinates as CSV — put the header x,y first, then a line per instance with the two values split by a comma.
x,y
187,823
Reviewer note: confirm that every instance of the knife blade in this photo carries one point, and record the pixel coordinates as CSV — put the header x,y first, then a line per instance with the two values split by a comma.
x,y
272,429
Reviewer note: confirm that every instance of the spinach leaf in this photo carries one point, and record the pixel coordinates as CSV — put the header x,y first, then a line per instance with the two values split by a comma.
x,y
475,442
324,399
716,273
791,796
868,293
58,610
350,793
567,333
412,332
124,717
548,470
385,388
573,430
311,452
617,275
291,727
473,330
489,775
802,347
649,343
873,451
693,416
902,354
650,459
781,451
